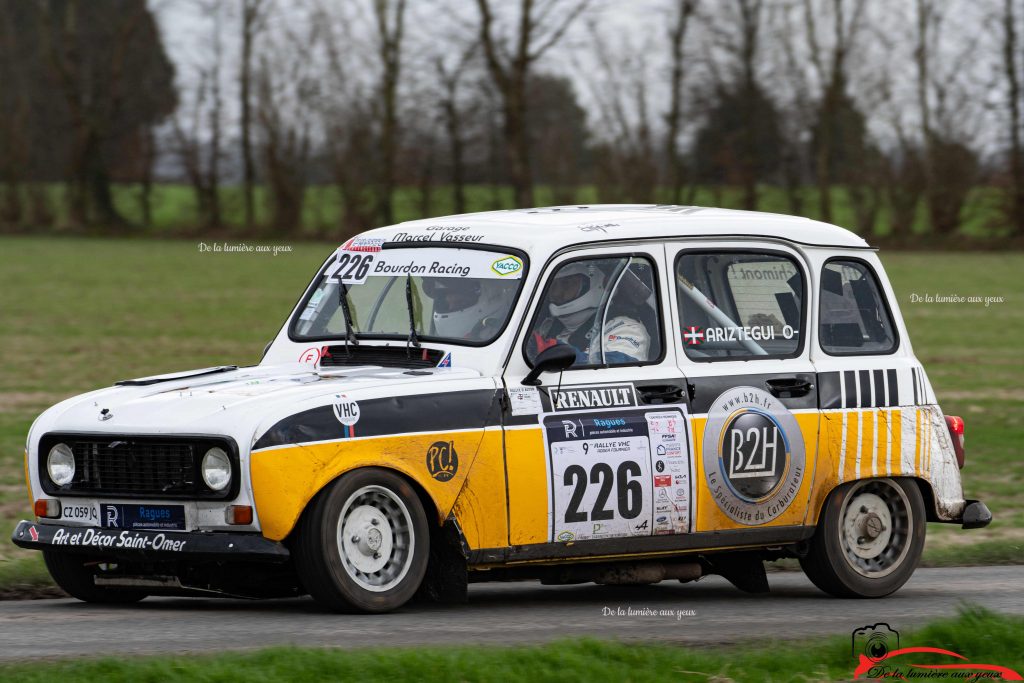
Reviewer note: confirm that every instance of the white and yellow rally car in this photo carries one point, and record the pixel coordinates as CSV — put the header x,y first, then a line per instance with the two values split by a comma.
x,y
618,394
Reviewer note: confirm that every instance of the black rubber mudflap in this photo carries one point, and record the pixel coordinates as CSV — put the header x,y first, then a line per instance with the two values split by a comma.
x,y
446,579
745,570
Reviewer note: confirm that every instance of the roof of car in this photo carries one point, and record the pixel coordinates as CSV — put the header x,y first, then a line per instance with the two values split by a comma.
x,y
554,227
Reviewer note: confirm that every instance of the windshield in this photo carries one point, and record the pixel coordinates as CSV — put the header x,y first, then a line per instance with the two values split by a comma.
x,y
461,296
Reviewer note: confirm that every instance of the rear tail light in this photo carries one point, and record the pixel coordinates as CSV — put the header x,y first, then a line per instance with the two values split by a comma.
x,y
956,433
47,507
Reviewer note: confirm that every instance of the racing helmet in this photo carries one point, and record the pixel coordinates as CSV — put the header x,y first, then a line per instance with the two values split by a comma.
x,y
462,305
575,293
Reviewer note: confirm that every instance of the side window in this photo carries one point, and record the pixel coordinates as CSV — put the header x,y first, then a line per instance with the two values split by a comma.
x,y
854,317
605,308
739,305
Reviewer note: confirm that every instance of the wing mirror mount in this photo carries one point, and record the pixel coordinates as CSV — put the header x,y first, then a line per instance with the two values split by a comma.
x,y
555,359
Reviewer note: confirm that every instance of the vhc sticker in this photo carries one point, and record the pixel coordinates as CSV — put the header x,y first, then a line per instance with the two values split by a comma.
x,y
753,454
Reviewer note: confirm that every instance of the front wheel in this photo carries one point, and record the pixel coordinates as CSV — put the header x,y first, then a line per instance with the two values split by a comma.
x,y
363,544
869,539
76,575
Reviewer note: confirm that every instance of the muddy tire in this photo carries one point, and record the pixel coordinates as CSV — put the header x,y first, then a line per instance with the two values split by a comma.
x,y
869,538
363,543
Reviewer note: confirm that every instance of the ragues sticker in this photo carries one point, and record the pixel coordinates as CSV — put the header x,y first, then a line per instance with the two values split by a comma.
x,y
753,454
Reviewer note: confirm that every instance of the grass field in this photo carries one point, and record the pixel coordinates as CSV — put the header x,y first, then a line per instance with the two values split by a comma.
x,y
77,314
174,208
981,637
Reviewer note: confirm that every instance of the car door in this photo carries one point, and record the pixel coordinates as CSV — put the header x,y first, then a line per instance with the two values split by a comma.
x,y
742,312
598,452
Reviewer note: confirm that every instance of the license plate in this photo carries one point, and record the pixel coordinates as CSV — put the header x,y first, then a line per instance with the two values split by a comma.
x,y
131,516
80,512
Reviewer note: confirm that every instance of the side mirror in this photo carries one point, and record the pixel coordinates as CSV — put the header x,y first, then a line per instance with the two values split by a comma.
x,y
555,359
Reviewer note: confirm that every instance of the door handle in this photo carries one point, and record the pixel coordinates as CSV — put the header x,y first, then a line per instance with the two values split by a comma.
x,y
661,393
788,387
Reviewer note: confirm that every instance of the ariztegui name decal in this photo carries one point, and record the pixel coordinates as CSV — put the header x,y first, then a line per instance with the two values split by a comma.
x,y
93,538
596,396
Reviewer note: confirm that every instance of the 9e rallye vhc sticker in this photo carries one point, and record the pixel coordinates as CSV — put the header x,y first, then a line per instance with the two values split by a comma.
x,y
753,454
618,473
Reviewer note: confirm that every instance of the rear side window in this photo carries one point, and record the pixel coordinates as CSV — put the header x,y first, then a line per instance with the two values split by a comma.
x,y
855,319
739,305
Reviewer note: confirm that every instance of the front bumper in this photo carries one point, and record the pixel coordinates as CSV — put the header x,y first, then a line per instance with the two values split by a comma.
x,y
148,545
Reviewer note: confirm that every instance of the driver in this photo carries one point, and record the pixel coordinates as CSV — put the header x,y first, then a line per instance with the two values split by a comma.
x,y
574,300
466,309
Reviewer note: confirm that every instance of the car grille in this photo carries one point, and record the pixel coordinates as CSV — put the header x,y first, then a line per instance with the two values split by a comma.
x,y
135,467
113,466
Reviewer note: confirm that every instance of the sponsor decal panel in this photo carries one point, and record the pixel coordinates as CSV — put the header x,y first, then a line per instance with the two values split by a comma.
x,y
97,538
442,460
694,336
125,516
347,412
354,267
753,455
604,470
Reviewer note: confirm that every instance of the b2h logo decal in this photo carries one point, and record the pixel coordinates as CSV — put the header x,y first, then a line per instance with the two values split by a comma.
x,y
442,460
753,455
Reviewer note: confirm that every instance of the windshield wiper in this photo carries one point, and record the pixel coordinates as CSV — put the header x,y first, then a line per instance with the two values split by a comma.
x,y
346,313
411,340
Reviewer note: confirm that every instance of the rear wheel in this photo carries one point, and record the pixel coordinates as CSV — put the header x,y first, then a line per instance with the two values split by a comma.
x,y
76,574
869,539
363,544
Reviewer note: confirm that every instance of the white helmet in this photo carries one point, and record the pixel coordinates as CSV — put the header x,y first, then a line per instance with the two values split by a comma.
x,y
575,293
462,305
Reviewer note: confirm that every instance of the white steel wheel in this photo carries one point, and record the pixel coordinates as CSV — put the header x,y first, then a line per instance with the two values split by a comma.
x,y
876,527
869,538
363,543
376,539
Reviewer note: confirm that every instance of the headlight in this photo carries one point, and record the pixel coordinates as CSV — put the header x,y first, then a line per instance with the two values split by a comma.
x,y
216,469
60,464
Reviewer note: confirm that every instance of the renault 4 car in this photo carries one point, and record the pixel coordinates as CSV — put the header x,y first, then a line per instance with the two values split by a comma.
x,y
610,394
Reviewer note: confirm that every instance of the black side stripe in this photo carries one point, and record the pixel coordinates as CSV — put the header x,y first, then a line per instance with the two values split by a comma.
x,y
850,386
394,415
917,400
858,389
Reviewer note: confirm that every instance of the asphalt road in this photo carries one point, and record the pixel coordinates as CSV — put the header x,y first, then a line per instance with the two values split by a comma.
x,y
709,612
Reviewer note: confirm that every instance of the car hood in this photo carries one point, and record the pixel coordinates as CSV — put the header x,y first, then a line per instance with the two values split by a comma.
x,y
232,402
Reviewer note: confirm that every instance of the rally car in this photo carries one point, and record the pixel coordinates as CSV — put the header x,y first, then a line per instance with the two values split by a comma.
x,y
615,394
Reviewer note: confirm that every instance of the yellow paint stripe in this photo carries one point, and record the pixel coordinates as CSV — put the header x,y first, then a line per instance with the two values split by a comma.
x,y
842,451
874,443
917,441
853,449
896,420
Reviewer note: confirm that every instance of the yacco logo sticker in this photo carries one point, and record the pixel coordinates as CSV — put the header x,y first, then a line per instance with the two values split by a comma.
x,y
507,266
753,454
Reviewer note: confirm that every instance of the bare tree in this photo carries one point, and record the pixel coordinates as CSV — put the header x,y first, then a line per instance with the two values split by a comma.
x,y
252,22
453,117
541,25
389,19
198,137
684,10
1011,71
